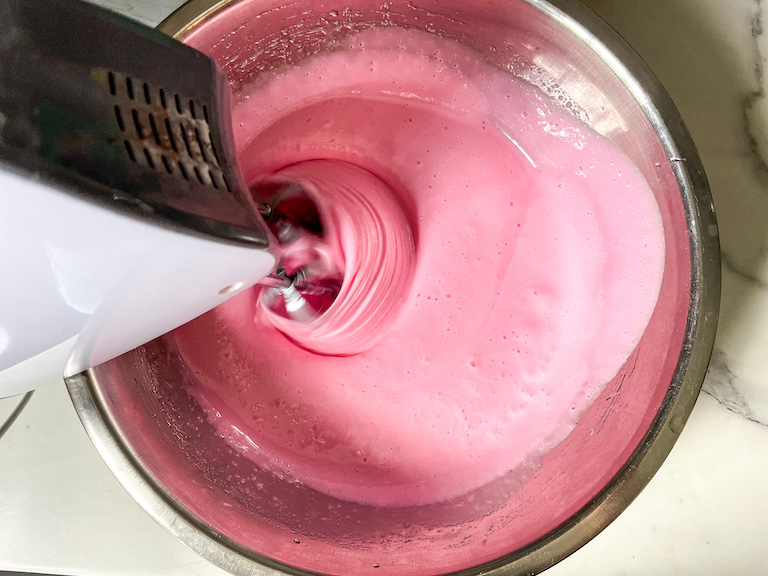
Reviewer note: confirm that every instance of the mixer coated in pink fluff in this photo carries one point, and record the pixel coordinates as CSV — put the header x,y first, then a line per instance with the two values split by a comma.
x,y
538,260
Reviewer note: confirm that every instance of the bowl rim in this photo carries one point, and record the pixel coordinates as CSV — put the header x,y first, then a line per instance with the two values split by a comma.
x,y
678,403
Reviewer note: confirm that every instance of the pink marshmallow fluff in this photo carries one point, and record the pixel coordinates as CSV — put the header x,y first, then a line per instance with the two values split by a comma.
x,y
501,262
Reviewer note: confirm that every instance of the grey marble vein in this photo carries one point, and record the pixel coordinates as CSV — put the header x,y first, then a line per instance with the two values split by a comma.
x,y
721,384
757,30
757,21
727,262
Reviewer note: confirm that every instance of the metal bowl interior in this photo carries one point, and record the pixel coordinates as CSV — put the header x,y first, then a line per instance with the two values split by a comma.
x,y
154,437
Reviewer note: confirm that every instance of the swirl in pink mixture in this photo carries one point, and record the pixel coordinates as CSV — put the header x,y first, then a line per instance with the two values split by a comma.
x,y
529,260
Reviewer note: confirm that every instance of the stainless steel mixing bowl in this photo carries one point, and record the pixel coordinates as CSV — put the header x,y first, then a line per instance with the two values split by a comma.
x,y
156,441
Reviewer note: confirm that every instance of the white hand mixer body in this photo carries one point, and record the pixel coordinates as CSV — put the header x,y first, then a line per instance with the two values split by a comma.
x,y
123,212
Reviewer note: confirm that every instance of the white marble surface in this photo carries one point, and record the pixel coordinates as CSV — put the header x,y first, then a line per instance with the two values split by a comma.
x,y
706,511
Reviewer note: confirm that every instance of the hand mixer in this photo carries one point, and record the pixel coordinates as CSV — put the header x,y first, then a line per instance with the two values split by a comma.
x,y
123,212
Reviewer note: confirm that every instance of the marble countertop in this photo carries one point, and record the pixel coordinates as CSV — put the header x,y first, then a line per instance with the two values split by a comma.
x,y
704,513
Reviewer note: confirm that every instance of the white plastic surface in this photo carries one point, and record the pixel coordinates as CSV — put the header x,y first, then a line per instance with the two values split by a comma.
x,y
73,272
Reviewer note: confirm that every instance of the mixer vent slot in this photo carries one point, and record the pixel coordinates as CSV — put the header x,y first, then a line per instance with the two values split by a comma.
x,y
119,118
167,133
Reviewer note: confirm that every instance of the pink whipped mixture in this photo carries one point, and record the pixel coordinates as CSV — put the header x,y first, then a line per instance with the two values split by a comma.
x,y
514,257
